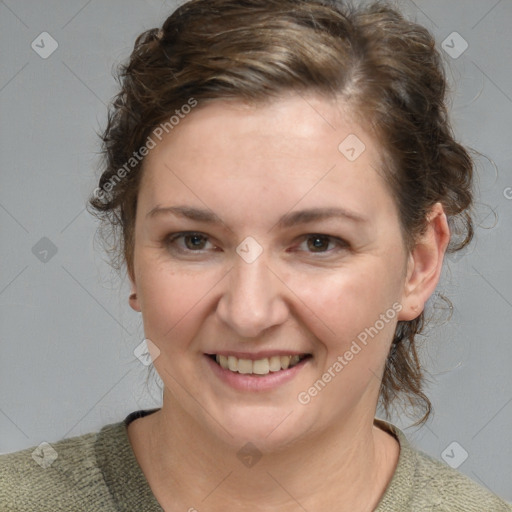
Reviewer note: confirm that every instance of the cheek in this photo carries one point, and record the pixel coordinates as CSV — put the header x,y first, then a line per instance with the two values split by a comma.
x,y
172,302
343,304
358,316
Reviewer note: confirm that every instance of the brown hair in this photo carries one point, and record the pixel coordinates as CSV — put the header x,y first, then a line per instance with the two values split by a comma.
x,y
385,68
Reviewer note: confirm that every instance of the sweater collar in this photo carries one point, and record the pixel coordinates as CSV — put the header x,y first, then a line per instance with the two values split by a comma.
x,y
123,475
398,493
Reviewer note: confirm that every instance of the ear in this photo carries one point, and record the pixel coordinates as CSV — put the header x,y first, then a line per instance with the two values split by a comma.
x,y
425,264
134,299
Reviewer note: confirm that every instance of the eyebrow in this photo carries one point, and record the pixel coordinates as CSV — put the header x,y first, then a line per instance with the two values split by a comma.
x,y
186,212
317,214
288,220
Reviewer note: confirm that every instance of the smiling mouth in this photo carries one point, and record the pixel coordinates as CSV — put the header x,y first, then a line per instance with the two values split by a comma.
x,y
262,366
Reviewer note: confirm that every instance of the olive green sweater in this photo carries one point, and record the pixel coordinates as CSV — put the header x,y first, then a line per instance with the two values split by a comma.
x,y
98,472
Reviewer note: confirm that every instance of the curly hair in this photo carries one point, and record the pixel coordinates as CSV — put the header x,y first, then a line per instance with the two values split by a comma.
x,y
385,68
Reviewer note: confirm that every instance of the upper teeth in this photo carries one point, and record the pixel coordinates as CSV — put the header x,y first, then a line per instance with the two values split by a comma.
x,y
260,366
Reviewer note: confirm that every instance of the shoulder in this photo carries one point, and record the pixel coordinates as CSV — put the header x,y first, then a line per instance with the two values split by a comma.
x,y
54,476
452,491
425,484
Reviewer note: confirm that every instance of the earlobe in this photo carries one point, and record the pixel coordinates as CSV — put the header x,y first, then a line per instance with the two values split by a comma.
x,y
133,299
425,264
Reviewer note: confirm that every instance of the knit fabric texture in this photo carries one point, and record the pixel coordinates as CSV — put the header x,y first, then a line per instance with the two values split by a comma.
x,y
99,472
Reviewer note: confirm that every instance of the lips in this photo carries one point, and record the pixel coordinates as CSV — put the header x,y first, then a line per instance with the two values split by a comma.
x,y
266,380
256,364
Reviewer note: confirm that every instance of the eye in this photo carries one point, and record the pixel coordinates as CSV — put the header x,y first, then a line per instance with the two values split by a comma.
x,y
189,241
317,243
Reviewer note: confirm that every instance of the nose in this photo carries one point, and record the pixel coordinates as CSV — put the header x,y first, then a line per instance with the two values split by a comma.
x,y
253,300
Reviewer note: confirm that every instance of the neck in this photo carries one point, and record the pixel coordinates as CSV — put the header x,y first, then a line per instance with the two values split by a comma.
x,y
349,466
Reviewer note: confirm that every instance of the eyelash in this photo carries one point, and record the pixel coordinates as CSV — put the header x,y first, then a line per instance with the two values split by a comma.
x,y
171,239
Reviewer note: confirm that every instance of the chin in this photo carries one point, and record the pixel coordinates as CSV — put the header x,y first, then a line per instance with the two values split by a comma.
x,y
265,427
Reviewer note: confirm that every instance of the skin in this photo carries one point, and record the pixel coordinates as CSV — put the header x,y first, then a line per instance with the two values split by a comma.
x,y
250,166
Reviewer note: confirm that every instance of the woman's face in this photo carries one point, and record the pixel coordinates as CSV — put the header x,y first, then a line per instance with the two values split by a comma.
x,y
263,232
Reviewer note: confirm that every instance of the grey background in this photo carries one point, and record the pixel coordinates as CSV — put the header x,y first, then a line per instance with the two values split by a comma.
x,y
67,334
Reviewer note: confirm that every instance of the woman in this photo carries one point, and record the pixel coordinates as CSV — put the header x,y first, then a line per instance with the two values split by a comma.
x,y
281,175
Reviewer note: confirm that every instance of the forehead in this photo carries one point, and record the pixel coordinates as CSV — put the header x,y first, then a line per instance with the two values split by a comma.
x,y
292,148
272,127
